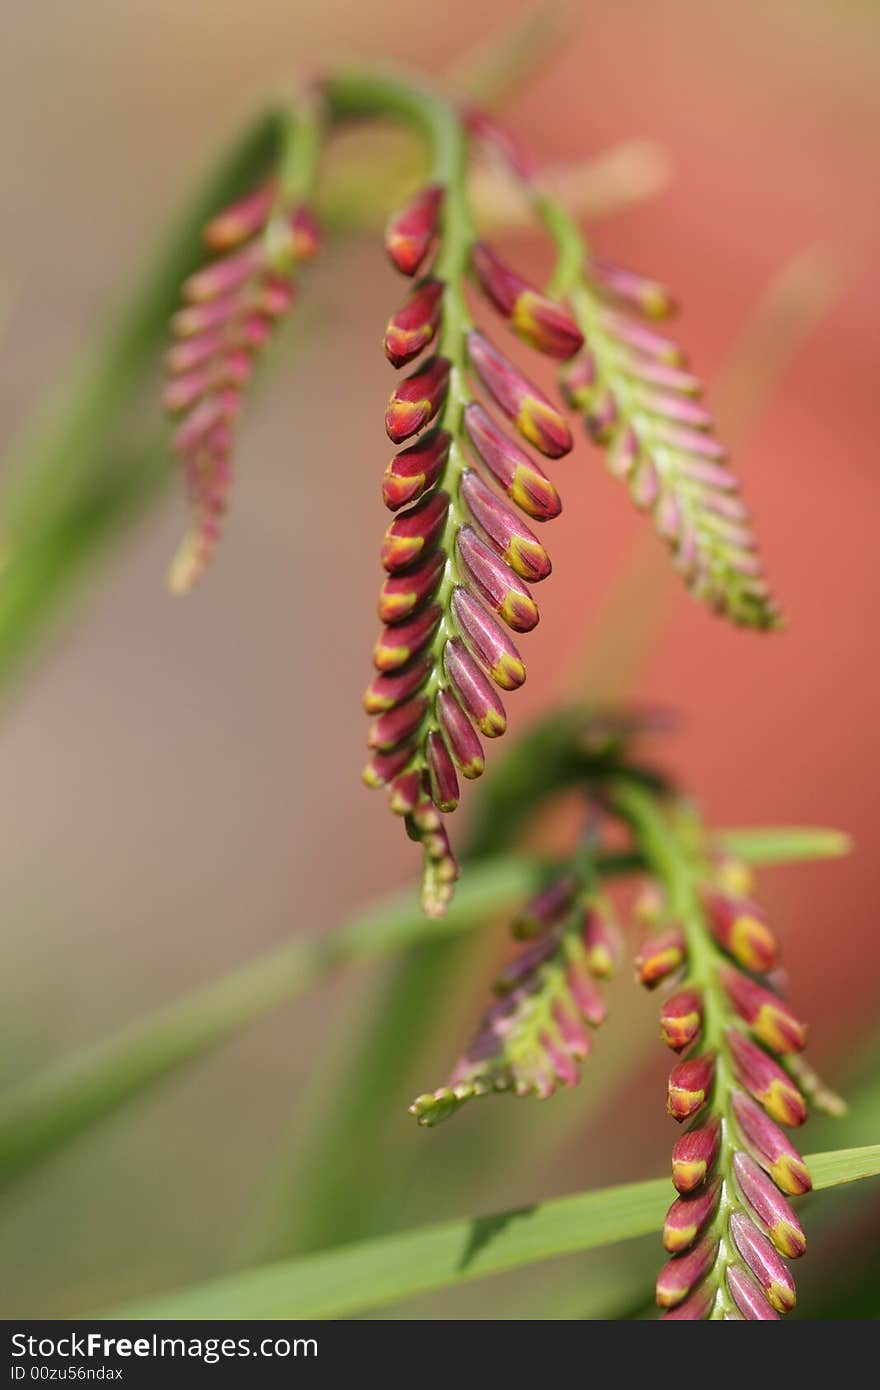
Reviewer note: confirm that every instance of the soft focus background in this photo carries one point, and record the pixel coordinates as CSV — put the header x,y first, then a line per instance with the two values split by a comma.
x,y
181,778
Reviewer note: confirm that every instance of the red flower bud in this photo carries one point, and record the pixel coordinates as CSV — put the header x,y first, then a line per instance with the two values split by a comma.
x,y
694,1155
397,725
441,773
738,927
679,1275
748,1297
464,745
416,400
523,481
681,1019
415,324
503,592
415,470
384,767
688,1215
540,321
520,548
411,231
766,1081
770,1207
414,532
770,1271
546,908
660,956
386,691
490,643
403,593
635,291
770,1147
534,416
694,1309
689,1085
770,1019
397,644
602,942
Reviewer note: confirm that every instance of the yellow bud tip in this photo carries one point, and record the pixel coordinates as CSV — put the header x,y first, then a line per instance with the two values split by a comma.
x,y
527,558
782,1299
688,1175
790,1175
492,724
788,1239
508,672
388,658
677,1239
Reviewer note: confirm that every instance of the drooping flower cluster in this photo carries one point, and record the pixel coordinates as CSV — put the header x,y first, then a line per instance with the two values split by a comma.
x,y
536,1034
734,1168
230,307
460,560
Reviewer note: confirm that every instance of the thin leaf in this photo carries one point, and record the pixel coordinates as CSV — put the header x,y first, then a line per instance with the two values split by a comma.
x,y
774,845
338,1283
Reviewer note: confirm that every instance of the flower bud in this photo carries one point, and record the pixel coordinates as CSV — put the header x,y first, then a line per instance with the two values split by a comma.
x,y
397,644
517,971
694,1309
416,399
770,1147
572,1031
694,1155
415,469
738,927
476,694
524,482
405,793
771,1020
687,1217
766,1081
415,324
748,1297
769,1205
647,297
770,1271
463,743
545,909
637,335
241,220
660,956
681,1019
411,231
488,640
224,276
534,416
582,987
540,321
384,767
397,725
680,1275
441,773
689,1085
386,691
414,532
497,586
601,940
520,548
401,594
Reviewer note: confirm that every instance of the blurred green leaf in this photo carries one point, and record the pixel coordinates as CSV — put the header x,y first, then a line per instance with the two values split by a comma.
x,y
338,1283
773,845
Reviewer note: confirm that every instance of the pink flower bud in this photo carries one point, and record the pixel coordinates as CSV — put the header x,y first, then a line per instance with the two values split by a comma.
x,y
769,1018
637,335
398,644
769,1205
524,482
540,321
411,231
766,1081
680,1275
546,908
689,1085
223,276
647,297
412,533
405,793
748,1297
403,593
464,745
384,767
417,399
415,470
738,927
602,943
694,1309
770,1271
770,1147
488,640
241,220
502,591
660,956
441,773
520,548
584,991
681,1019
687,1217
473,690
694,1155
386,691
397,725
415,324
534,416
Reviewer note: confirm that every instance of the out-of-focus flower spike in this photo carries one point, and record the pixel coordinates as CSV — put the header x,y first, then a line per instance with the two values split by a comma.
x,y
769,1270
524,482
572,1031
766,1081
474,691
681,1019
770,1147
602,942
411,231
416,400
534,416
694,1155
397,725
488,640
748,1297
224,276
819,1094
545,909
492,578
415,470
696,1308
241,220
464,745
770,1207
739,927
538,320
386,691
441,772
688,1216
643,339
404,592
517,971
769,1018
683,1272
412,533
400,643
520,548
581,985
415,324
689,1086
660,956
647,297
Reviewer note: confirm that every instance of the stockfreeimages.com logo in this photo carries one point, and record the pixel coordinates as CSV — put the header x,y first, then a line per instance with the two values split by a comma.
x,y
95,1346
